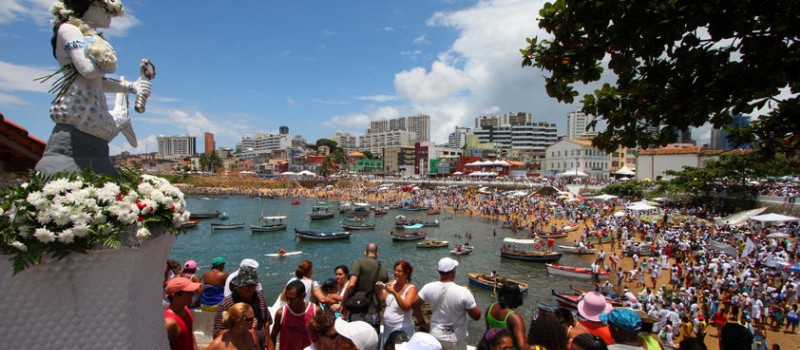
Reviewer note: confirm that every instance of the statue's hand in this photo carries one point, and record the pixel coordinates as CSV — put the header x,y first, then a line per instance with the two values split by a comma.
x,y
142,87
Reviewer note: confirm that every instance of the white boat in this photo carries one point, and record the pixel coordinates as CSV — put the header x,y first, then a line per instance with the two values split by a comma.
x,y
575,250
270,224
462,250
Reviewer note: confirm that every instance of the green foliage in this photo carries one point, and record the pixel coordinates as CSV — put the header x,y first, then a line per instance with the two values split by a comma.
x,y
333,145
630,189
678,64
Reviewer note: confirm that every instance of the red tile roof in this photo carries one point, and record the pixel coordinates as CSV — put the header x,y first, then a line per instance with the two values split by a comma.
x,y
17,144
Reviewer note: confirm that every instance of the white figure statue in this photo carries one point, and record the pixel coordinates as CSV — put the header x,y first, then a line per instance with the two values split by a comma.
x,y
84,125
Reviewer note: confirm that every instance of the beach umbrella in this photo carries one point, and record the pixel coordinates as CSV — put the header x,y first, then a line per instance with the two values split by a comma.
x,y
772,217
778,235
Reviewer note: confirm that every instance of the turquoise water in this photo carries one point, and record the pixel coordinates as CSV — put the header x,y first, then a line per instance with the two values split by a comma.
x,y
202,244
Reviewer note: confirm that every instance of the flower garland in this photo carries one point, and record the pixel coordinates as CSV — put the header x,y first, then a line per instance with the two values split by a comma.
x,y
71,213
98,50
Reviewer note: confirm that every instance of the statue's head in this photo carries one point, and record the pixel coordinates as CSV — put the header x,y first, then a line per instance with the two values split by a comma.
x,y
64,9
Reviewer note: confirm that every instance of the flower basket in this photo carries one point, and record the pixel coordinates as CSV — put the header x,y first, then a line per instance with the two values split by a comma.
x,y
104,299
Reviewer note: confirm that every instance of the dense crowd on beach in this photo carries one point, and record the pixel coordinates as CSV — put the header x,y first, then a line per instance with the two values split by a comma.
x,y
681,269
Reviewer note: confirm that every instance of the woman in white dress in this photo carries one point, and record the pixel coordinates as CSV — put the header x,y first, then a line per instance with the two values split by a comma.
x,y
398,295
84,125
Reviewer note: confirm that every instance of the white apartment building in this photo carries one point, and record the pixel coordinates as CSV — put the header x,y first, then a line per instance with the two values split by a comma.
x,y
262,144
516,131
375,142
458,138
345,140
576,125
419,124
570,155
176,146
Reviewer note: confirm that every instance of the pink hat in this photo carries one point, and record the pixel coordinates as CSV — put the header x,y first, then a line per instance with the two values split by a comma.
x,y
592,305
190,265
181,284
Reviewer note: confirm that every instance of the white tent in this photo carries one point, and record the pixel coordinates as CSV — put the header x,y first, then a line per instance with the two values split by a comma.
x,y
605,197
619,214
772,217
625,171
306,173
458,173
572,172
288,173
640,206
741,217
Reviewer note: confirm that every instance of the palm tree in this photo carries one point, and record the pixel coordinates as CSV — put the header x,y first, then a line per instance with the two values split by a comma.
x,y
210,162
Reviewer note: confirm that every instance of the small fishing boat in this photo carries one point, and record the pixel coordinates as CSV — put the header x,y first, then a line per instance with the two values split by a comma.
x,y
224,226
295,202
575,272
433,244
528,250
462,249
355,225
546,235
321,211
401,220
270,224
190,224
570,227
308,235
281,253
199,216
642,249
598,239
408,236
432,212
575,250
224,216
381,211
485,281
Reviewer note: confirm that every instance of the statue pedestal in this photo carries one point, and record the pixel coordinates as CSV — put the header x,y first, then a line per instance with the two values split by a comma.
x,y
106,299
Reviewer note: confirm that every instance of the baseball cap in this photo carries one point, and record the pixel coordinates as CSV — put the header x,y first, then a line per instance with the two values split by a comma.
x,y
190,265
217,261
181,284
623,318
447,265
420,341
360,333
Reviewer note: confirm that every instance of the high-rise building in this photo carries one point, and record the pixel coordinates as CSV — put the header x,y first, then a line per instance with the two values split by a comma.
x,y
719,137
345,141
516,131
261,144
176,146
576,125
458,138
419,124
376,142
210,145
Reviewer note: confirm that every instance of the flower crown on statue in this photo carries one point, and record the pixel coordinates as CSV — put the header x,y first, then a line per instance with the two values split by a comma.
x,y
76,212
61,13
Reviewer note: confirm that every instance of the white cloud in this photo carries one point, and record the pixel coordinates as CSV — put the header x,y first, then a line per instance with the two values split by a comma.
x,y
387,29
290,101
481,71
421,40
377,98
38,11
411,53
348,123
6,99
14,77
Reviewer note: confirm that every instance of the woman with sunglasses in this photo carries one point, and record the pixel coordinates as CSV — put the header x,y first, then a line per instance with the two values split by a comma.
x,y
238,329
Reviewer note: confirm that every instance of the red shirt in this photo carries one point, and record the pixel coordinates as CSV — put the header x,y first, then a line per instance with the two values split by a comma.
x,y
294,333
186,340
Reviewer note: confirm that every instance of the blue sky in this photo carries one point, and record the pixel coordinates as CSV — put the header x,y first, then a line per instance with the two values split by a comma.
x,y
239,67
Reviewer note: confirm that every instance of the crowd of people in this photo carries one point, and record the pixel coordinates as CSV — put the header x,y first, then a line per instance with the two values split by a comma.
x,y
676,270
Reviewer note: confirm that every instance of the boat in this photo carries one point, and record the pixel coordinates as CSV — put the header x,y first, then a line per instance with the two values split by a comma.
x,y
308,235
270,224
224,216
295,202
321,211
570,300
575,250
557,234
598,239
355,225
433,244
408,236
199,216
190,224
642,249
574,271
432,212
412,227
462,249
223,226
570,227
381,211
486,282
280,255
345,206
528,250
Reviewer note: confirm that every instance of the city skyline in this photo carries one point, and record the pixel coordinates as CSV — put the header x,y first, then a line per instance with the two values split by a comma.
x,y
316,67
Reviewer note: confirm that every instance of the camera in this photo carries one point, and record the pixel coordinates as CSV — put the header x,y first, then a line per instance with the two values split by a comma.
x,y
383,286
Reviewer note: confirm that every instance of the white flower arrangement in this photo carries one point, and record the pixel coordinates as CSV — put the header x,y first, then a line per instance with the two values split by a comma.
x,y
71,213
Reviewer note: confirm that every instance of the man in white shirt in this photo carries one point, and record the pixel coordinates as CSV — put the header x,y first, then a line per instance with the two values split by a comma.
x,y
450,304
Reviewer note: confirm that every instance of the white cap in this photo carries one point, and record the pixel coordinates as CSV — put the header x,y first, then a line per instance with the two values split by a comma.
x,y
360,333
249,263
420,341
447,265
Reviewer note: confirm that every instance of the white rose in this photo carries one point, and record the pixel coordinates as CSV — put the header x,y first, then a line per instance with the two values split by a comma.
x,y
66,236
20,246
142,233
80,230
